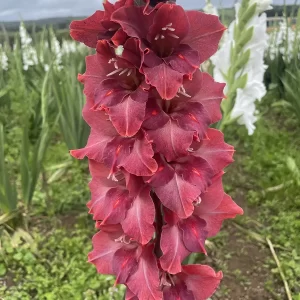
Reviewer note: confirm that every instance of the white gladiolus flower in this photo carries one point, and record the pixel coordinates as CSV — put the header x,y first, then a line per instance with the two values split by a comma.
x,y
57,51
262,5
209,8
68,47
29,54
3,59
250,70
282,42
244,110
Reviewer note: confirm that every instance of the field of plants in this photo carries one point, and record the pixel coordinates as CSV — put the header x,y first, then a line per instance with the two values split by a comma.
x,y
45,229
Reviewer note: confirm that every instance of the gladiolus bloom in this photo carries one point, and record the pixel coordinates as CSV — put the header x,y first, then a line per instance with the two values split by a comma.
x,y
156,166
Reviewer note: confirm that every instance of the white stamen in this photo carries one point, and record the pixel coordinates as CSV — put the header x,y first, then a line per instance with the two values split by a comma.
x,y
164,28
116,65
171,29
111,29
164,281
173,35
177,95
197,202
190,150
113,178
162,36
130,72
171,279
122,239
183,92
124,71
157,37
111,60
114,72
170,24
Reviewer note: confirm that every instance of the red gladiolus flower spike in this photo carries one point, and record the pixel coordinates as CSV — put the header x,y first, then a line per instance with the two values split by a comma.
x,y
156,165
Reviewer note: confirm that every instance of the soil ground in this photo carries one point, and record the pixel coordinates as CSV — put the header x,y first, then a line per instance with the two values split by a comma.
x,y
243,260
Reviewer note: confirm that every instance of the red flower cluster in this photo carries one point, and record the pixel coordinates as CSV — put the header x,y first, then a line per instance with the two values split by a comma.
x,y
156,166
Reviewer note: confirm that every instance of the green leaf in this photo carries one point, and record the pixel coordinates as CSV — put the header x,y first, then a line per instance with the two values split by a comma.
x,y
3,269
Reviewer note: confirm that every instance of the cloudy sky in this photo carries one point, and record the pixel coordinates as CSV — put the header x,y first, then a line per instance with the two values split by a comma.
x,y
11,10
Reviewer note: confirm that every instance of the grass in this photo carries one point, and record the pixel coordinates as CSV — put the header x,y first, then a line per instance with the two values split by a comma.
x,y
54,266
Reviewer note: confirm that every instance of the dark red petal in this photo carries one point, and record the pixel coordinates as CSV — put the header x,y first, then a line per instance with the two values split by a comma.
x,y
104,249
116,151
178,292
140,161
163,174
206,91
139,220
112,209
155,117
166,80
171,140
144,283
133,21
102,132
191,116
213,196
205,33
201,280
134,184
109,93
89,30
194,233
194,170
170,22
100,171
150,58
132,52
120,37
97,68
124,264
130,295
184,60
227,209
169,217
141,94
128,116
178,195
99,184
215,151
174,251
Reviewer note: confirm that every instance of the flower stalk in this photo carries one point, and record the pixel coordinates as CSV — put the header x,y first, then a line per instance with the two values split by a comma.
x,y
156,166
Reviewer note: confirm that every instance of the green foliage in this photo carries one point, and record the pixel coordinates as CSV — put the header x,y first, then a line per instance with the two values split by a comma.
x,y
53,267
69,101
292,91
269,173
8,193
